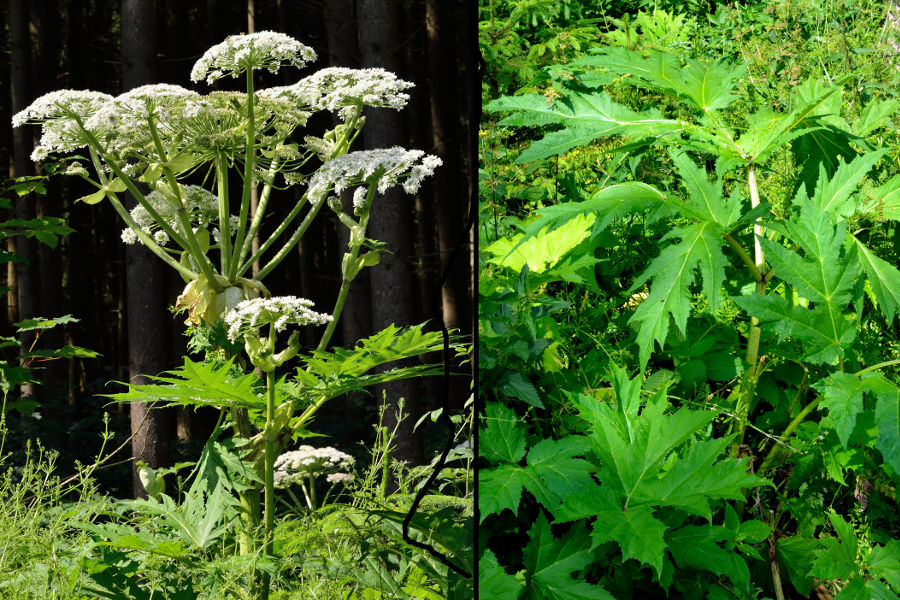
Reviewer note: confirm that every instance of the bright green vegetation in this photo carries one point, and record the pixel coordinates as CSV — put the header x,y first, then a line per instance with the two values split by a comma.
x,y
62,539
688,302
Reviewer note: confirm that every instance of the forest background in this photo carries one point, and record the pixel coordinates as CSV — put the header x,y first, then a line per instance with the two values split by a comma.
x,y
119,293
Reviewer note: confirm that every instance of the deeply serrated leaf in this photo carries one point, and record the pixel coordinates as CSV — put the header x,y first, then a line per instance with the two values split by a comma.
x,y
842,394
672,273
704,85
544,249
884,278
833,192
550,563
585,117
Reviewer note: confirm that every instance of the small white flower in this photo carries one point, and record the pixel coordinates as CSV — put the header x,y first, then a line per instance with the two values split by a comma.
x,y
278,311
385,168
240,53
201,206
129,236
339,478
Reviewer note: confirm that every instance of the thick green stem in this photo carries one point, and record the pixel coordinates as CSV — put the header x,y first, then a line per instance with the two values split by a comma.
x,y
748,382
224,213
249,160
260,211
785,435
193,246
270,437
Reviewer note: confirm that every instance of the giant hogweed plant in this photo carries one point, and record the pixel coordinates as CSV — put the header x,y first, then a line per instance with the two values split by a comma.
x,y
794,274
165,137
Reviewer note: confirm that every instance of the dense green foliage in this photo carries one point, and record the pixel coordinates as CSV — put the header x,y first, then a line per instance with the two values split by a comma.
x,y
707,200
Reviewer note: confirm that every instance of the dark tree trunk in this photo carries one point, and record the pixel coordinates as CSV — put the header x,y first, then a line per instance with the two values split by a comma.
x,y
340,29
45,30
452,71
392,286
23,276
146,301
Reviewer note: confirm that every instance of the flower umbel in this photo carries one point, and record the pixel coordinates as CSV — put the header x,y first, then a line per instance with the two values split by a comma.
x,y
385,167
252,314
339,89
240,53
307,462
59,114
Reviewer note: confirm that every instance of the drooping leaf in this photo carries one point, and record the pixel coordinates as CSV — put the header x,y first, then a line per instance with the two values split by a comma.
x,y
516,385
883,277
697,547
823,146
795,555
672,274
837,559
705,86
842,394
887,416
501,437
584,117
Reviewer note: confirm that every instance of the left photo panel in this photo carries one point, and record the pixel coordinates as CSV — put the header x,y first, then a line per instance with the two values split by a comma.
x,y
237,355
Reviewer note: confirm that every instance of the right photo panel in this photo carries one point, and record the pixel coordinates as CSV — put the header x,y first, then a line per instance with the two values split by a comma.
x,y
688,353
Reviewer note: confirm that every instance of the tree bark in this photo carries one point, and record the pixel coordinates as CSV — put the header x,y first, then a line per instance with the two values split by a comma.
x,y
391,221
23,275
147,320
451,131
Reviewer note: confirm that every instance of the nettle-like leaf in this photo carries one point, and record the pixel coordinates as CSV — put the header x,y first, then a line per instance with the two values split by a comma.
x,y
646,462
552,471
825,275
584,118
551,562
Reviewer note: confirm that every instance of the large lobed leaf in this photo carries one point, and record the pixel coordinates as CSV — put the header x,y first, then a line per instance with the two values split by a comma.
x,y
706,86
672,273
584,118
552,471
646,463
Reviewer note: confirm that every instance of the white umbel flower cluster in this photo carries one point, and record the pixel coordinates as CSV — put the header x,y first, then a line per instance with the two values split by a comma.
x,y
200,204
340,89
307,462
123,122
278,311
385,167
58,113
240,53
